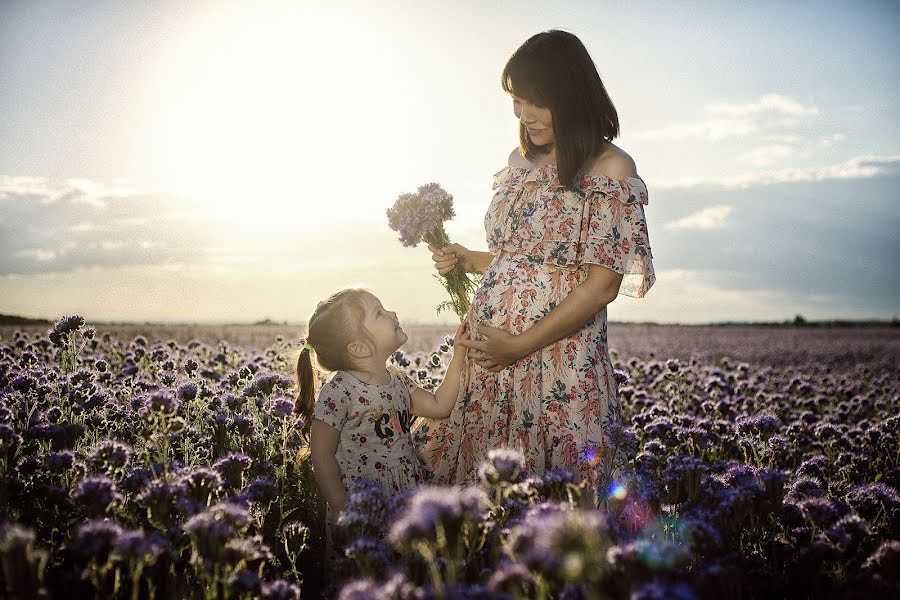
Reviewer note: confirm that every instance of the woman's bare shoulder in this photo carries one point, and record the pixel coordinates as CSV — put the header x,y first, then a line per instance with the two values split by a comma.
x,y
614,163
516,159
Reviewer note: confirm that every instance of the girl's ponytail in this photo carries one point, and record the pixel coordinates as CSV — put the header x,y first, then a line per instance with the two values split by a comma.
x,y
306,395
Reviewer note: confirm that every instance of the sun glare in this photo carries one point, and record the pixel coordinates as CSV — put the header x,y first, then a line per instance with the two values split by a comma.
x,y
257,106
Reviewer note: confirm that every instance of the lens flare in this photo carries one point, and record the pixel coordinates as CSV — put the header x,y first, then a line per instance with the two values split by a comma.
x,y
617,490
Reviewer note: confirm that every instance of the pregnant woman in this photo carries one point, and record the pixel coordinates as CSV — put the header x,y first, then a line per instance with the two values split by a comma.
x,y
566,234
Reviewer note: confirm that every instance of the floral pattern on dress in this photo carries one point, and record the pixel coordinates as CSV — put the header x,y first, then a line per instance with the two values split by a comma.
x,y
374,422
557,403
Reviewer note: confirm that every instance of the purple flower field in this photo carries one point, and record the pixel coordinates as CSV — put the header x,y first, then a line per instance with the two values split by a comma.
x,y
755,463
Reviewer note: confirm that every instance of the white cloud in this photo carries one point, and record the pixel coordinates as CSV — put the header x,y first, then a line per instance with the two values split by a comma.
x,y
711,217
38,254
831,139
725,120
763,156
858,167
780,138
712,129
49,225
693,296
769,103
75,190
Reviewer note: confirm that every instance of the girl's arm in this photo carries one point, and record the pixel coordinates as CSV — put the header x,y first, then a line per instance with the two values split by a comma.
x,y
323,443
501,348
440,404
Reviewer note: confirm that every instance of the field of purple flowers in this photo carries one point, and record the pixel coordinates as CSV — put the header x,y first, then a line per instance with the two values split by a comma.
x,y
136,468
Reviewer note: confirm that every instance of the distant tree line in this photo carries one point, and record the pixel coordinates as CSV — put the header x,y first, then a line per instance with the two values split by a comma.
x,y
16,320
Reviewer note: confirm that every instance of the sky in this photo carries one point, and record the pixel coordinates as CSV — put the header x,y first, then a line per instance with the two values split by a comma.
x,y
233,161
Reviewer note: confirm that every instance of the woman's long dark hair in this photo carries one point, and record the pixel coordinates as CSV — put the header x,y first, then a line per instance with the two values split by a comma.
x,y
553,69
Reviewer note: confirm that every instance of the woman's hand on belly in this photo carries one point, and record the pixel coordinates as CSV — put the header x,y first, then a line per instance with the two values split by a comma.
x,y
499,349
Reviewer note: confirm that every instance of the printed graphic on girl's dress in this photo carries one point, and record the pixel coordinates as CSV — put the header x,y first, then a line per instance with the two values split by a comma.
x,y
390,423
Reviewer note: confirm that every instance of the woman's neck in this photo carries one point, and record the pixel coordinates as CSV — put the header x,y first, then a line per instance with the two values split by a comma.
x,y
548,158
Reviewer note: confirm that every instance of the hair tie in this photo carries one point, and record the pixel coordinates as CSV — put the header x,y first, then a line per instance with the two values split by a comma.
x,y
307,346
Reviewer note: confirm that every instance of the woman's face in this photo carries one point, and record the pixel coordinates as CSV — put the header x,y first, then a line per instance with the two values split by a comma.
x,y
537,120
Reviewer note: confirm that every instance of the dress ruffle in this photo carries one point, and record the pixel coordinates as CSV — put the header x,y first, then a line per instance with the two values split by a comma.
x,y
600,222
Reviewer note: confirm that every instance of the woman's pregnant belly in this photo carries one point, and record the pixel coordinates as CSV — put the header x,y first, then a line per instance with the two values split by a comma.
x,y
516,291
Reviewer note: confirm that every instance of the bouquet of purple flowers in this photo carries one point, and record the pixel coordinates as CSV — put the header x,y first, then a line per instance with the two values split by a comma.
x,y
420,217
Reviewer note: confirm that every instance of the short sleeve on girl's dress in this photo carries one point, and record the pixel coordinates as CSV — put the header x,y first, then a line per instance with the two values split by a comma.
x,y
614,232
407,382
332,405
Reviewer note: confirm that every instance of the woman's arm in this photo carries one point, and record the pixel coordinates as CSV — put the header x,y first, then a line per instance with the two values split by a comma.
x,y
473,261
323,443
501,348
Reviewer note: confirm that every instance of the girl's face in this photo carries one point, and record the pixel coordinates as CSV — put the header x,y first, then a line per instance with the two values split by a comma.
x,y
384,326
537,120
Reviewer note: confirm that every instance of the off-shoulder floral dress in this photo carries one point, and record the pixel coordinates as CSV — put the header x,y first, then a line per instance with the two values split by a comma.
x,y
557,403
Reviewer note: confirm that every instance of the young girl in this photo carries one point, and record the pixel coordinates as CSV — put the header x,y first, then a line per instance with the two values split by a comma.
x,y
359,427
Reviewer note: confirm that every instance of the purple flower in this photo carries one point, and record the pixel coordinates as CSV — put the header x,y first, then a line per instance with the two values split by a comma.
x,y
96,494
743,478
659,590
885,561
761,424
136,478
59,462
369,553
503,466
512,578
682,478
190,366
295,535
110,456
187,391
249,551
138,547
415,215
264,384
849,531
94,540
232,467
820,512
367,496
160,498
563,545
260,490
210,530
434,509
246,582
160,401
282,407
201,484
280,590
362,589
805,487
873,501
22,562
558,484
64,328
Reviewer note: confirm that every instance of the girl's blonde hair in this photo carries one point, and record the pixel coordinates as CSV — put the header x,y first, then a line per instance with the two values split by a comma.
x,y
336,322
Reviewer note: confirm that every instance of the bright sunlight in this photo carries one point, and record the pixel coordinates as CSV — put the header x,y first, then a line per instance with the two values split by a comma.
x,y
259,105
